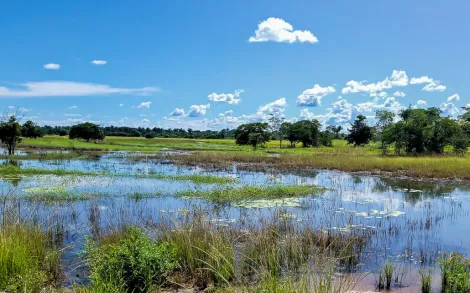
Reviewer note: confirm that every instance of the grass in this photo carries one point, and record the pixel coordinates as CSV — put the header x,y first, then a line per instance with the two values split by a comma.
x,y
8,170
238,194
29,262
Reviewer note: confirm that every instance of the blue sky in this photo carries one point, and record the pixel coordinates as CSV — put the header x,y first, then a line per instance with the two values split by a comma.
x,y
213,64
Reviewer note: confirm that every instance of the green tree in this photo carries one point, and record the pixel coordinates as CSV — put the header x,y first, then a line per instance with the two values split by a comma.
x,y
87,131
360,133
384,128
31,130
336,130
252,134
277,131
10,134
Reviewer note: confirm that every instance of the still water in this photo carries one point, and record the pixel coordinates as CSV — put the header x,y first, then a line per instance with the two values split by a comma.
x,y
408,222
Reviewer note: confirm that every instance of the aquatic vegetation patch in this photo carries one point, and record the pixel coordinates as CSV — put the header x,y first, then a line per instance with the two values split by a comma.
x,y
455,270
246,194
55,193
196,178
8,171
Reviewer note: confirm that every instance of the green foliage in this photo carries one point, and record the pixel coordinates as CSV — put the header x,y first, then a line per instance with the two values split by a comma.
x,y
252,134
336,130
87,131
28,260
133,262
424,130
308,133
277,129
10,133
31,130
384,129
455,270
426,281
360,133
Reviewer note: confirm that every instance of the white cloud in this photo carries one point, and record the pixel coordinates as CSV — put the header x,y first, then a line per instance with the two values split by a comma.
x,y
449,109
399,94
99,62
69,88
431,84
198,110
312,97
379,94
145,121
398,78
231,99
177,112
277,30
144,105
52,66
453,98
121,105
276,108
421,103
73,107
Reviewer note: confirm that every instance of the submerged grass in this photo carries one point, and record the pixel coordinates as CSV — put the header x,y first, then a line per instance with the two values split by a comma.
x,y
196,178
238,194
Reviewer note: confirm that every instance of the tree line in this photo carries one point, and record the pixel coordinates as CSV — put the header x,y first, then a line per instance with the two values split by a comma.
x,y
412,131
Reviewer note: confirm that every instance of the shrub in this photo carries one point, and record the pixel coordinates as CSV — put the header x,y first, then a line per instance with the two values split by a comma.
x,y
455,270
132,262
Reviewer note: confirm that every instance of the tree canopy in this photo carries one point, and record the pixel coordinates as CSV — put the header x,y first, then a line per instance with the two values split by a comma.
x,y
87,131
10,134
31,130
360,133
252,134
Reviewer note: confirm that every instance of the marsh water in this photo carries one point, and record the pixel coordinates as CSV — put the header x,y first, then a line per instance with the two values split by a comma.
x,y
408,222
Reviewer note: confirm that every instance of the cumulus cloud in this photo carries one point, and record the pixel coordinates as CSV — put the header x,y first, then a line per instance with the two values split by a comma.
x,y
398,78
422,103
453,98
198,110
231,99
399,94
448,107
99,62
431,84
68,88
52,66
312,97
277,30
73,107
177,112
379,94
276,108
145,121
145,105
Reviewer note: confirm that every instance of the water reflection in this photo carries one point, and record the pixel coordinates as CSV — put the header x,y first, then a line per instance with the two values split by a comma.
x,y
408,221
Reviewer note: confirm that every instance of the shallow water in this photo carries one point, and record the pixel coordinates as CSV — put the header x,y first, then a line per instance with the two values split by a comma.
x,y
409,222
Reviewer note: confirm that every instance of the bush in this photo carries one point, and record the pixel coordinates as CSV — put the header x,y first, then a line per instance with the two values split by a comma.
x,y
150,135
455,270
132,262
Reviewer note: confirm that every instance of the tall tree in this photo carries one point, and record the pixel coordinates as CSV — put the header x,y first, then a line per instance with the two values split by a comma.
x,y
383,128
360,133
334,129
10,134
275,126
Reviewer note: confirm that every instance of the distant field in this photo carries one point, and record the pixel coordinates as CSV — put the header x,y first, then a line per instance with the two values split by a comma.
x,y
223,152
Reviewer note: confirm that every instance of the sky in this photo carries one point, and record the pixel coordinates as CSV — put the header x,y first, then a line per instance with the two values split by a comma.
x,y
212,64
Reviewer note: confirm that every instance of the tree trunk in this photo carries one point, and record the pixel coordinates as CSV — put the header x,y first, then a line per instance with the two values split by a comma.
x,y
280,143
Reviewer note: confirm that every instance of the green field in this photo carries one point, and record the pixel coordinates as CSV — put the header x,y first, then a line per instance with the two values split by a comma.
x,y
223,152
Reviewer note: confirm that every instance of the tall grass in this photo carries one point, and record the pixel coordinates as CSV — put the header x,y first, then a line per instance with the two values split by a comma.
x,y
29,260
